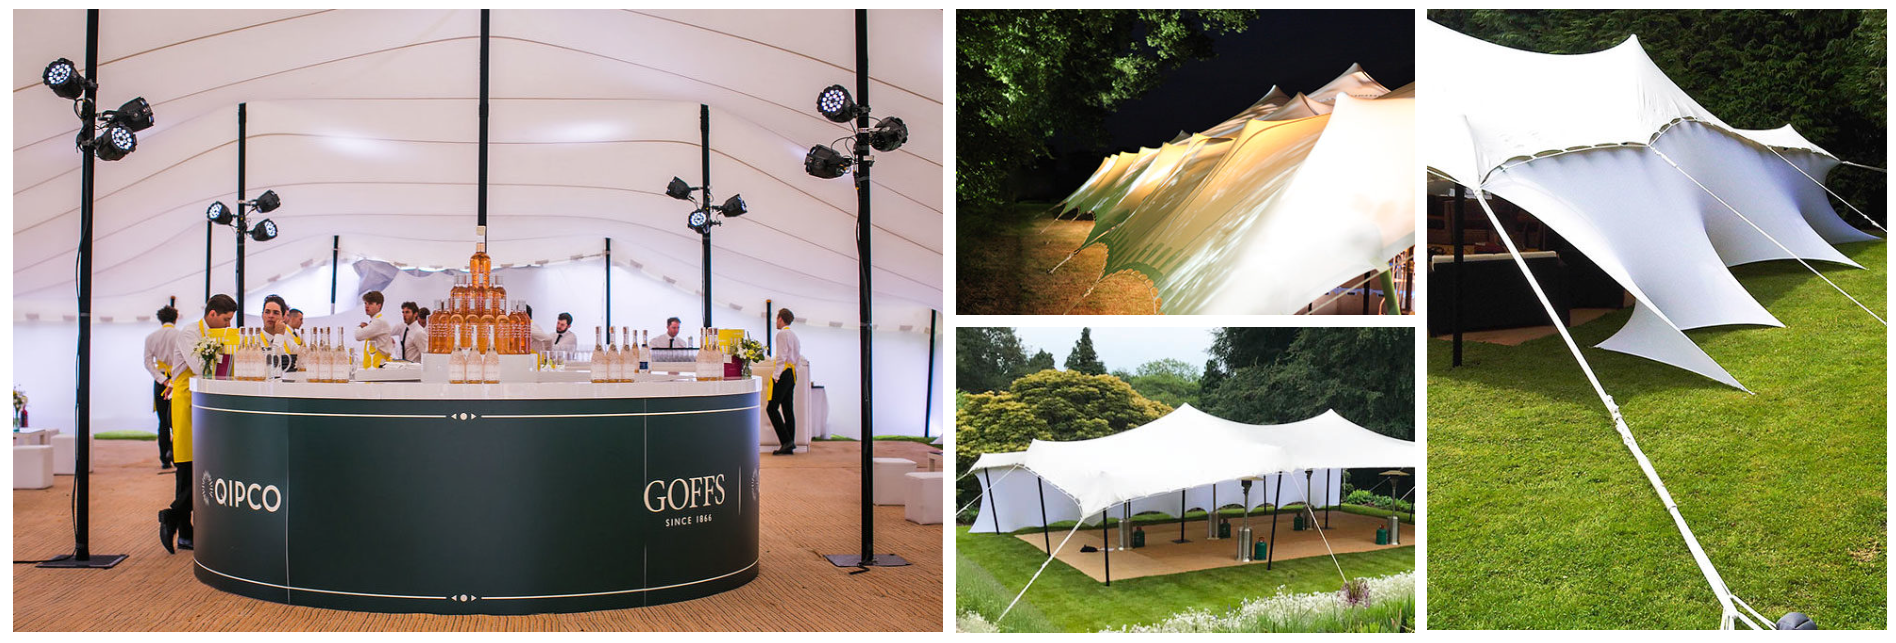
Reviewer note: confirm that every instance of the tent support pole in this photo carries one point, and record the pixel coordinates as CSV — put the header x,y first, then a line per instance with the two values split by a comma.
x,y
1455,284
608,282
243,222
704,131
1270,557
1327,486
994,506
335,261
1106,546
1040,485
1367,276
928,401
480,196
1181,519
208,228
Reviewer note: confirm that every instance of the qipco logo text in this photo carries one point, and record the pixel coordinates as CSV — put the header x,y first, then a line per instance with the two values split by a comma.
x,y
684,493
238,494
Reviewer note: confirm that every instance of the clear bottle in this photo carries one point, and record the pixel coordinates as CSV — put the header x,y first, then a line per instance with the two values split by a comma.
x,y
457,362
601,360
490,359
317,365
645,352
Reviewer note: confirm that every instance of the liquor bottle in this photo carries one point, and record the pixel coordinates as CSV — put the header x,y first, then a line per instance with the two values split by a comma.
x,y
490,359
615,356
458,295
497,298
457,363
645,352
479,266
241,369
345,371
601,360
489,320
315,357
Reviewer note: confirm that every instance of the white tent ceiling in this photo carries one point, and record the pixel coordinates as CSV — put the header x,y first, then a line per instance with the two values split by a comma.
x,y
365,122
1635,175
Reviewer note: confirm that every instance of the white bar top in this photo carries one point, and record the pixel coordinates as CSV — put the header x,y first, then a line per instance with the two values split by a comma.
x,y
658,386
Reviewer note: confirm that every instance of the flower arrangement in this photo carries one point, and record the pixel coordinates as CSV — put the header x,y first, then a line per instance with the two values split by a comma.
x,y
748,352
207,350
19,400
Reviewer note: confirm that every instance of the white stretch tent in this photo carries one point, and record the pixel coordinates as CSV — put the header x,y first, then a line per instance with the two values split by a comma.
x,y
1659,192
365,122
1187,450
1268,210
1637,176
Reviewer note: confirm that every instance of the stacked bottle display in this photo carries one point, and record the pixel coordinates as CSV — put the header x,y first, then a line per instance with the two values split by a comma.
x,y
326,358
619,362
711,355
478,316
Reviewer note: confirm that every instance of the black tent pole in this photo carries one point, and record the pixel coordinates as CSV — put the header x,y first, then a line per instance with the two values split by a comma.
x,y
1455,284
608,282
1106,545
1327,486
1040,486
480,195
208,228
994,505
704,237
1277,504
770,315
1181,518
243,221
335,261
81,556
928,399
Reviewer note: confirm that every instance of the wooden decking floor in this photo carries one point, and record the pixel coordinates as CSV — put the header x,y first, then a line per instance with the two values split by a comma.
x,y
813,510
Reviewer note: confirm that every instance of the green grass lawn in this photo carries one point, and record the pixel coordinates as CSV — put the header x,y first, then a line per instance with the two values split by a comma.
x,y
1540,518
991,569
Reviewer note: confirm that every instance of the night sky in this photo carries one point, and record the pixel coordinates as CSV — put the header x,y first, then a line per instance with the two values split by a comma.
x,y
1297,50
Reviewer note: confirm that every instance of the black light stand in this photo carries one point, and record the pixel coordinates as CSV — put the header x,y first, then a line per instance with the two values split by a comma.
x,y
867,558
82,556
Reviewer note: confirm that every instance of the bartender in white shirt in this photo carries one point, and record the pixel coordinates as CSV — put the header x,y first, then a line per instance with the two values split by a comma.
x,y
782,408
377,334
670,338
414,336
564,339
158,348
276,328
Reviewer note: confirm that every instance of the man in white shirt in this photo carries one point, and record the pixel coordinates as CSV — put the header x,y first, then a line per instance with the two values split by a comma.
x,y
159,346
670,339
414,336
175,521
782,408
564,339
376,333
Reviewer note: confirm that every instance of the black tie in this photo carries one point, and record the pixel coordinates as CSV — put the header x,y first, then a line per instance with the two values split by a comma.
x,y
404,343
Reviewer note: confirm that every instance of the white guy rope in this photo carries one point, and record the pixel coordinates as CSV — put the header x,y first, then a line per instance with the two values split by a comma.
x,y
1826,188
1043,567
1314,307
1866,167
977,498
1319,527
1754,226
1729,613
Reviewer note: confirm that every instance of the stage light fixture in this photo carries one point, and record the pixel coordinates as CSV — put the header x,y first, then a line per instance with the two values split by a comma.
x,y
733,207
888,134
267,202
114,142
678,189
219,214
265,230
134,114
835,104
825,163
64,79
698,222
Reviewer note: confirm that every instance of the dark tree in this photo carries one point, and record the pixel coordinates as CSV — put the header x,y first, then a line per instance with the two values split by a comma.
x,y
1365,374
1083,359
987,359
1041,361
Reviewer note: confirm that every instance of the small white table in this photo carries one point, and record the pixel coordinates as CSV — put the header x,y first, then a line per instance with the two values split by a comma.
x,y
35,437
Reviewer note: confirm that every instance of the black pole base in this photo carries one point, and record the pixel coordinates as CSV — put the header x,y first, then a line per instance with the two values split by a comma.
x,y
855,560
95,561
1181,541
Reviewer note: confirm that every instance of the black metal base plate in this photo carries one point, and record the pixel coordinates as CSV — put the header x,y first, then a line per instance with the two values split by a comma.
x,y
855,560
96,561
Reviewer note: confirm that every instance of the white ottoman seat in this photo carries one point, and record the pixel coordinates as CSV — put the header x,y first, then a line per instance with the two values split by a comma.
x,y
32,466
924,498
891,488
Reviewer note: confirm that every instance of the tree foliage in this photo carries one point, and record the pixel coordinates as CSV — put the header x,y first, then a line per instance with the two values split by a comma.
x,y
1048,405
1022,75
987,359
1366,374
1172,381
1083,358
1041,361
1821,71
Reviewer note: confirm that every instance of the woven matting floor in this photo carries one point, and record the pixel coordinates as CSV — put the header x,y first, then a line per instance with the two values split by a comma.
x,y
1348,533
816,513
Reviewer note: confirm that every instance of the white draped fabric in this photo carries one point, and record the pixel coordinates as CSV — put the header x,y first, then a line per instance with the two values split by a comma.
x,y
365,123
1635,175
1188,450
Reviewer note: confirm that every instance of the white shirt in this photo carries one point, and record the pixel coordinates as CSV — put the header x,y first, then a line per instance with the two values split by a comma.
x,y
567,341
283,341
414,342
667,341
184,358
789,350
379,333
542,340
158,347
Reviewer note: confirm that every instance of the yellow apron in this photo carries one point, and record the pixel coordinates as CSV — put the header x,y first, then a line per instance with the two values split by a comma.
x,y
181,418
162,368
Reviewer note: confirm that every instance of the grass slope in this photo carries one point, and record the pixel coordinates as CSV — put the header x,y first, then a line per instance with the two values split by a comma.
x,y
1540,518
1065,600
1005,272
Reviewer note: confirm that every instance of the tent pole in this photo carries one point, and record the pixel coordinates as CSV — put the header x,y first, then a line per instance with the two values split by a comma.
x,y
704,131
1106,546
335,260
994,505
480,195
1041,486
243,222
928,398
1271,556
208,227
1366,277
608,282
1181,519
770,313
1327,486
1456,237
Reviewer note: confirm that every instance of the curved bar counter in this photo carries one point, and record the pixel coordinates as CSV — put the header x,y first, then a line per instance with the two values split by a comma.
x,y
476,499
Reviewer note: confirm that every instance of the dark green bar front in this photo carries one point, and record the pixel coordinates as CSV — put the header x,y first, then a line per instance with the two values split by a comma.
x,y
476,506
